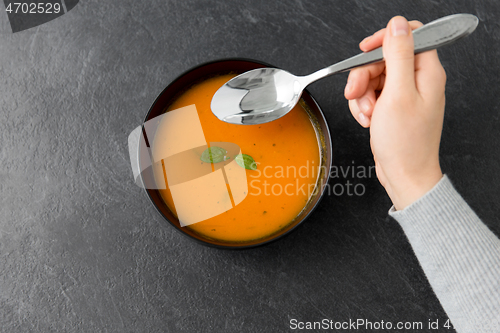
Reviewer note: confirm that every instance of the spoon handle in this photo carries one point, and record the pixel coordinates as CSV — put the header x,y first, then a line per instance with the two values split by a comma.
x,y
432,35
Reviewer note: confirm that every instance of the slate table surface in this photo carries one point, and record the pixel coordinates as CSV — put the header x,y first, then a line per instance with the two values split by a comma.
x,y
83,250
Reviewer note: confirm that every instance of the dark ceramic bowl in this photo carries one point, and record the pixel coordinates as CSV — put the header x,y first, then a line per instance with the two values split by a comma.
x,y
197,74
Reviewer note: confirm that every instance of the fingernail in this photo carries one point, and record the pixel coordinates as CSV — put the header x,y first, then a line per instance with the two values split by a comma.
x,y
348,86
366,39
399,26
362,119
364,104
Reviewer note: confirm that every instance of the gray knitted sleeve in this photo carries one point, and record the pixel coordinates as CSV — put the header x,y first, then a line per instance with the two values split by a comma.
x,y
459,255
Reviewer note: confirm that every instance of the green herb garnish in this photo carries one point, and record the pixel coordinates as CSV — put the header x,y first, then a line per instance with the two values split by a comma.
x,y
214,155
246,161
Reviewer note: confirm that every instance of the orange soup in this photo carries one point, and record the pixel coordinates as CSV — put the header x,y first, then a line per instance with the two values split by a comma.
x,y
274,189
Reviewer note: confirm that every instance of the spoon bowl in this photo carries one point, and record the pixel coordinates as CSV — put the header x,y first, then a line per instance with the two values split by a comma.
x,y
257,96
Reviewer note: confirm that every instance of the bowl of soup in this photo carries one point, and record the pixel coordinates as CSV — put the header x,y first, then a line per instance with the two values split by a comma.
x,y
228,185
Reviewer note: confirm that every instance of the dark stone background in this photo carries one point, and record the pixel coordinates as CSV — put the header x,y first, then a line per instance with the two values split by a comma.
x,y
82,249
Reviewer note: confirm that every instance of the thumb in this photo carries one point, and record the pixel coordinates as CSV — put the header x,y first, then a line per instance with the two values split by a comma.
x,y
399,55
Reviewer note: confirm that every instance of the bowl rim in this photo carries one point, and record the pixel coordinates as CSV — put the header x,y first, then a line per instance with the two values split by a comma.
x,y
328,153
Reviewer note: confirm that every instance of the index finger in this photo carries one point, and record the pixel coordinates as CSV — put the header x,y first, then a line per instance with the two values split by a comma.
x,y
375,40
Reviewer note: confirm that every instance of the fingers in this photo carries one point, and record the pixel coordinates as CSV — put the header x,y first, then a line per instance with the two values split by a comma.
x,y
362,107
399,56
359,79
367,101
365,83
375,40
361,91
358,115
415,24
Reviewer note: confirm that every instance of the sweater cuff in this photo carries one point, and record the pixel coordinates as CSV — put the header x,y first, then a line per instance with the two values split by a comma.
x,y
443,190
442,203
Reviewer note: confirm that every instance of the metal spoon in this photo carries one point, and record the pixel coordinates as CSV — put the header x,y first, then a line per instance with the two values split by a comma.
x,y
265,94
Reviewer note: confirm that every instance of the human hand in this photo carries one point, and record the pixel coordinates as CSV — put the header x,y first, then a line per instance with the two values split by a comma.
x,y
402,101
